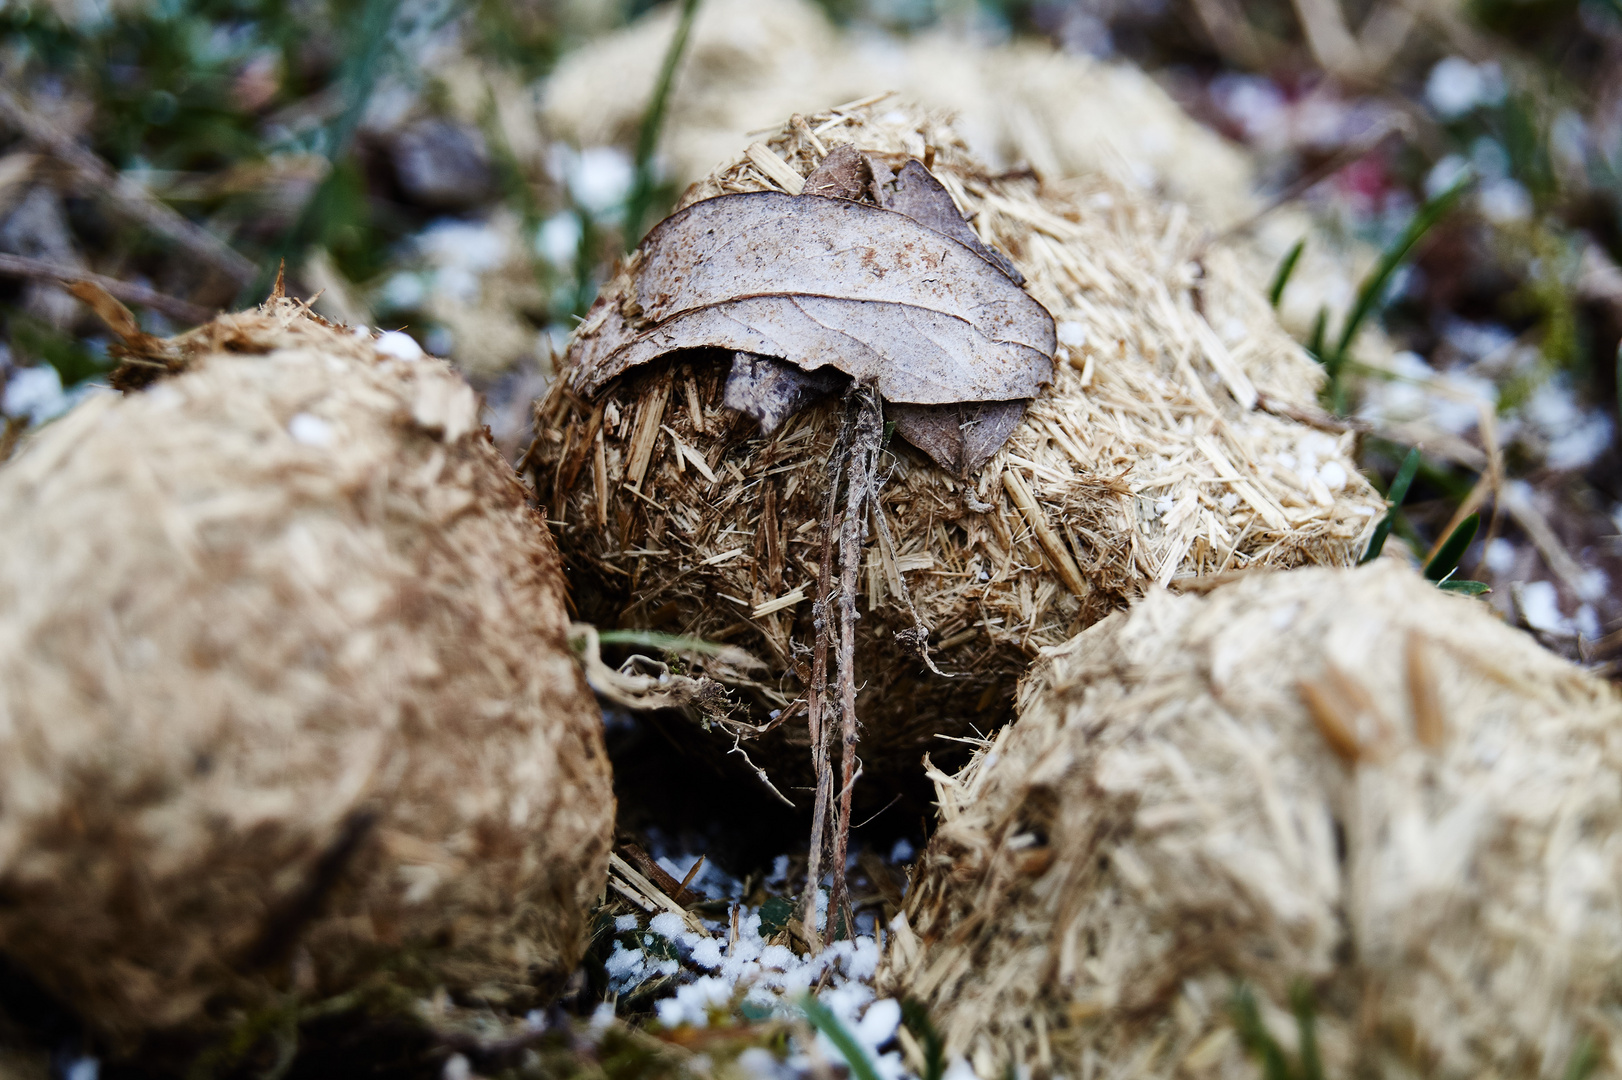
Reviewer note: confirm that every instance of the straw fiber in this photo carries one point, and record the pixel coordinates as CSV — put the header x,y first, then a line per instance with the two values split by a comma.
x,y
285,696
1145,462
1343,780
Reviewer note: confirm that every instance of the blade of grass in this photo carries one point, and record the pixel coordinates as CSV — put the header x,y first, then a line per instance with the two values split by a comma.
x,y
1281,278
652,639
369,46
1584,1060
1397,492
916,1018
1253,1034
1468,588
1368,294
1315,340
823,1019
1373,286
653,122
1306,1025
1446,561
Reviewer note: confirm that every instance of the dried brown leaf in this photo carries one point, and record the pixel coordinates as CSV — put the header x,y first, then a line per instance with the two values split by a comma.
x,y
825,282
960,438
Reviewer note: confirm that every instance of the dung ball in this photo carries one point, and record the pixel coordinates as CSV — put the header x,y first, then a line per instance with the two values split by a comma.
x,y
1334,791
286,698
1170,448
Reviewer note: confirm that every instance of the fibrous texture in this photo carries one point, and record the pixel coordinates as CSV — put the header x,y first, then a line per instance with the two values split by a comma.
x,y
1144,462
285,694
1343,780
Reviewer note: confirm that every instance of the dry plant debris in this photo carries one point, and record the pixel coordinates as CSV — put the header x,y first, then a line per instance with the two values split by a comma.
x,y
286,691
1342,779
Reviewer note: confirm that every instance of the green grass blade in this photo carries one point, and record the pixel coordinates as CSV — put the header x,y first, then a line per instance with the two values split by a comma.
x,y
1447,557
1275,291
1315,340
652,639
1584,1060
1306,1025
823,1019
1253,1034
653,122
1468,588
916,1018
1373,287
1398,492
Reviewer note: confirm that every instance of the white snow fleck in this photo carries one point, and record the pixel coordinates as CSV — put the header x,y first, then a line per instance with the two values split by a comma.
x,y
1073,334
399,345
1576,435
598,177
1499,556
1504,201
558,240
1457,86
625,922
1587,622
35,392
1540,607
668,925
310,430
1445,173
1333,475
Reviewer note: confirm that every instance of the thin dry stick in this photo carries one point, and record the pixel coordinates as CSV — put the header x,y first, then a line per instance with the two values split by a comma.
x,y
125,193
39,269
860,496
816,697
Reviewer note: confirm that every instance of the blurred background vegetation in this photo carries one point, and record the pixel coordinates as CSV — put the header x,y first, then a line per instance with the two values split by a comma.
x,y
394,154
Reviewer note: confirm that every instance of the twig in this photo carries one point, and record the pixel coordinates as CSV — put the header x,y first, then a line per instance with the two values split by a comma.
x,y
38,269
860,496
817,695
125,193
1311,416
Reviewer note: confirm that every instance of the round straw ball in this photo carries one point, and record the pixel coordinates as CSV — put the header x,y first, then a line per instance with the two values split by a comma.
x,y
1346,780
1147,461
285,692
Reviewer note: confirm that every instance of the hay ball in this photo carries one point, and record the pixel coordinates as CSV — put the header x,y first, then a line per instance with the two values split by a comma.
x,y
1149,460
285,692
1344,780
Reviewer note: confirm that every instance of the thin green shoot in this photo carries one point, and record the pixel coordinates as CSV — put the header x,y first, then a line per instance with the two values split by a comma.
x,y
358,73
1315,340
823,1019
1305,1009
1259,1042
1275,291
1467,588
1584,1060
1253,1034
653,122
1373,287
916,1019
1446,560
1395,494
652,639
